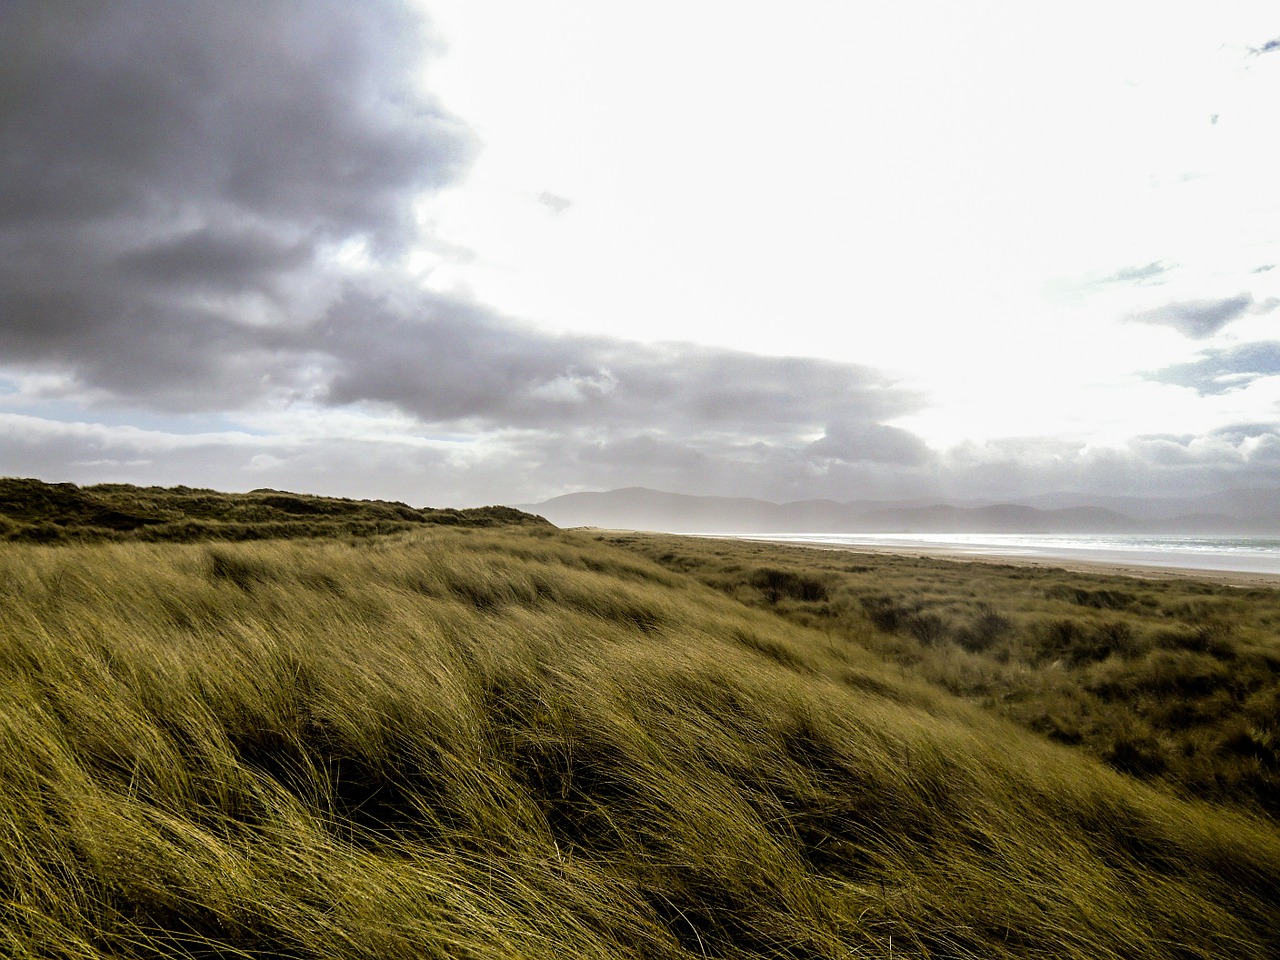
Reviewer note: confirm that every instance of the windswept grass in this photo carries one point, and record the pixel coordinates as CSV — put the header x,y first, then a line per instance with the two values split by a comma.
x,y
525,743
1173,681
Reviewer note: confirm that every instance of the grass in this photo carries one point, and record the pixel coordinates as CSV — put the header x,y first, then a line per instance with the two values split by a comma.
x,y
522,742
1174,681
33,511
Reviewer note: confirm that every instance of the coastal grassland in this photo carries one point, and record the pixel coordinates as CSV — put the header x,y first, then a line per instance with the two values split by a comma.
x,y
33,511
1171,680
527,743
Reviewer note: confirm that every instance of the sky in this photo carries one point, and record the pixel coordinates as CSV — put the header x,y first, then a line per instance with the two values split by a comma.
x,y
456,252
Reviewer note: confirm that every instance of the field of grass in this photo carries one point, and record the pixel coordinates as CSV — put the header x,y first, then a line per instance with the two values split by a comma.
x,y
524,742
1173,681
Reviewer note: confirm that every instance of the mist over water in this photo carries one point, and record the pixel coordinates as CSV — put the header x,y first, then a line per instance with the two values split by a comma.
x,y
1232,554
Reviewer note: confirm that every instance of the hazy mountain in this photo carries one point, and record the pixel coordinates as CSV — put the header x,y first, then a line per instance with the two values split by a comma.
x,y
1246,504
638,508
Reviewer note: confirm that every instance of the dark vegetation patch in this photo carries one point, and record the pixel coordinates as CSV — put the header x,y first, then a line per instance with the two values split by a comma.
x,y
1096,598
775,585
39,512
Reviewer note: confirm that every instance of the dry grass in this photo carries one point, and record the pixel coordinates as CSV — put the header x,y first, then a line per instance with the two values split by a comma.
x,y
525,743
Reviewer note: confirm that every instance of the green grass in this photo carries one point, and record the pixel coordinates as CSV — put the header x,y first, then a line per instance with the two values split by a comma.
x,y
521,742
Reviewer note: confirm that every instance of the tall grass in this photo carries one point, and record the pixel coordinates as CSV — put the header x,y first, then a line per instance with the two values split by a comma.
x,y
524,743
1174,681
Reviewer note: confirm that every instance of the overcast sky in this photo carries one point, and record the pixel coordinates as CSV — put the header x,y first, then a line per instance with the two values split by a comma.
x,y
456,252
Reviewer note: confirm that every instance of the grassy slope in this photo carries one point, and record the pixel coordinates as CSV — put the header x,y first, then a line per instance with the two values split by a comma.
x,y
522,742
1174,681
33,511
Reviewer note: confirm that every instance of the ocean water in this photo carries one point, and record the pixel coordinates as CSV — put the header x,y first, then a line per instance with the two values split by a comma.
x,y
1232,554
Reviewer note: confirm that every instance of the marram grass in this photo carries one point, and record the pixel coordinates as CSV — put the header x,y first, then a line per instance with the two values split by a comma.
x,y
1173,680
524,743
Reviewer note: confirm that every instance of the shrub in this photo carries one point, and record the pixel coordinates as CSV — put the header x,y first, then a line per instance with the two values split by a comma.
x,y
1099,599
776,584
986,629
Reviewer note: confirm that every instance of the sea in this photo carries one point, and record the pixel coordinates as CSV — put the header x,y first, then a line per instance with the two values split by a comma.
x,y
1228,554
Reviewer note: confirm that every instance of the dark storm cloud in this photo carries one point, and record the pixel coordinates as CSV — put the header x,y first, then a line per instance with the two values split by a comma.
x,y
1220,371
230,259
301,113
172,175
1199,319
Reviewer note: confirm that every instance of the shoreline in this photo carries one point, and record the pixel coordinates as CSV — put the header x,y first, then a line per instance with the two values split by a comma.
x,y
1110,565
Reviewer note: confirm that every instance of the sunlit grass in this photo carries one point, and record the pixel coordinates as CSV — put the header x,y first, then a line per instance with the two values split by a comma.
x,y
526,743
1174,680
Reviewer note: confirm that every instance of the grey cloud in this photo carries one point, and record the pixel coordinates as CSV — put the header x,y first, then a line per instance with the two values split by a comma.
x,y
1146,466
218,257
1199,319
1265,268
170,176
554,202
293,111
91,453
1239,432
1269,47
1137,274
862,441
643,451
1220,371
173,179
447,361
530,465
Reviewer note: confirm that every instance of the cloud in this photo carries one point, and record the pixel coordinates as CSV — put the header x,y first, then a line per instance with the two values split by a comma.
x,y
1238,432
1072,289
202,211
1139,275
1199,319
554,202
1271,46
1224,370
175,181
864,442
1265,268
447,361
204,216
179,185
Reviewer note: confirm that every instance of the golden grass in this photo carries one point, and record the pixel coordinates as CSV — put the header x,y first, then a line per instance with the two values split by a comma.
x,y
1174,681
526,743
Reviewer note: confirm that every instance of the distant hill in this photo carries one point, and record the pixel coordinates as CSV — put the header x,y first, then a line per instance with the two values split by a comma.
x,y
33,510
1239,512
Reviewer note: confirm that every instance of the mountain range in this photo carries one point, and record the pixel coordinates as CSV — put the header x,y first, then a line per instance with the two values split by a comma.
x,y
1228,513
